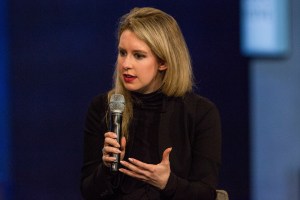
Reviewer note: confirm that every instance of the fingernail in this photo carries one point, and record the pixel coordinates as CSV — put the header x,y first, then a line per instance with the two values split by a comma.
x,y
130,159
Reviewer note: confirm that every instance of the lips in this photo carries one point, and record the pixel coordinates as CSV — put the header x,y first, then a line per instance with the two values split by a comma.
x,y
129,78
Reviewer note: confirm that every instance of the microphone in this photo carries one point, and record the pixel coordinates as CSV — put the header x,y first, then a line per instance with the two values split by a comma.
x,y
116,106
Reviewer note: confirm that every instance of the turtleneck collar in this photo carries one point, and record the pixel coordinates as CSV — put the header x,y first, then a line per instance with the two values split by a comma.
x,y
150,101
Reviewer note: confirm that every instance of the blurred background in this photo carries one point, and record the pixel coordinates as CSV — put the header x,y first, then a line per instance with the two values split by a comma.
x,y
55,56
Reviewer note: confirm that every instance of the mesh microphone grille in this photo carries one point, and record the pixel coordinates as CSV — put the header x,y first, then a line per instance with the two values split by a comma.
x,y
117,103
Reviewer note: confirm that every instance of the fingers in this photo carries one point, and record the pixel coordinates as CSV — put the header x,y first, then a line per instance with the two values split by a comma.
x,y
107,160
110,140
156,175
136,169
133,173
109,150
111,146
139,164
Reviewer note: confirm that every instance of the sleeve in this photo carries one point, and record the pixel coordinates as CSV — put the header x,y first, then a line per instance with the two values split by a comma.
x,y
95,176
202,178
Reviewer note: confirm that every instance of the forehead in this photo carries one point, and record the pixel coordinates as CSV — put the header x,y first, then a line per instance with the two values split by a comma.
x,y
129,39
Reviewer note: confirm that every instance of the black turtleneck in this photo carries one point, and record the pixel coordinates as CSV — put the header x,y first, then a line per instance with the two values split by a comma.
x,y
143,141
191,125
144,132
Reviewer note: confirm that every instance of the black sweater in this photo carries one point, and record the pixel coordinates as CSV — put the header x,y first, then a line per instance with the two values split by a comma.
x,y
189,124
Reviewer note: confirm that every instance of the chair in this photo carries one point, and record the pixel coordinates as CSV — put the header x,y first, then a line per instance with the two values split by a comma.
x,y
222,195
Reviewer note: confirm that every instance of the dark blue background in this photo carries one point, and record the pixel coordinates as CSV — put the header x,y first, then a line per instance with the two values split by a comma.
x,y
62,54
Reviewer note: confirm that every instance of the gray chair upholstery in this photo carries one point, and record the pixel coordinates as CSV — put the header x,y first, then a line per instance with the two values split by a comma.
x,y
222,195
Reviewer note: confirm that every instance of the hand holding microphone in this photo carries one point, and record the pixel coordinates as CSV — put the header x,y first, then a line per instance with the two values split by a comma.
x,y
114,143
111,146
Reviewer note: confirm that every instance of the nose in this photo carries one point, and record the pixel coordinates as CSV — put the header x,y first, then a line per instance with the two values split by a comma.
x,y
126,63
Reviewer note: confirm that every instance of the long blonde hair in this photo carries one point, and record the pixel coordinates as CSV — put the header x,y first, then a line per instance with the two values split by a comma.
x,y
162,34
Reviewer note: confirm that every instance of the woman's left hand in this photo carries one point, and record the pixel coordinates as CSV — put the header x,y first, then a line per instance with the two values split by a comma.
x,y
156,175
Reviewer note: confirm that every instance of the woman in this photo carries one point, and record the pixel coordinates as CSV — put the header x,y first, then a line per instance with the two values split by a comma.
x,y
171,142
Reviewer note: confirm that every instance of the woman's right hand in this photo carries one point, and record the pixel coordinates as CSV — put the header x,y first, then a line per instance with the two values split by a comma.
x,y
111,146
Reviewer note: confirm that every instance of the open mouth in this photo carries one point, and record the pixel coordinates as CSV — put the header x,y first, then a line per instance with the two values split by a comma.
x,y
128,78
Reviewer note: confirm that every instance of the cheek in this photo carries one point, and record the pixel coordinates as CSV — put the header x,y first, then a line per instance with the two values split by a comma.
x,y
119,61
119,66
149,74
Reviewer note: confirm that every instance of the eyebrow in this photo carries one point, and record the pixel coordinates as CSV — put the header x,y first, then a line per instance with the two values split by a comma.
x,y
134,51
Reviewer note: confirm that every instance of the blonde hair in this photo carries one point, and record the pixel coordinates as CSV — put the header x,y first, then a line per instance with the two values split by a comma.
x,y
162,34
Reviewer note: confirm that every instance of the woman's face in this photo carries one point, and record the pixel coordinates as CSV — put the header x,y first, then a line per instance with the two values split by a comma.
x,y
138,67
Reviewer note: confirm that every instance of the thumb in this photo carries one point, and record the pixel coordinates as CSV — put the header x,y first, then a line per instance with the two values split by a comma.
x,y
166,156
123,143
122,148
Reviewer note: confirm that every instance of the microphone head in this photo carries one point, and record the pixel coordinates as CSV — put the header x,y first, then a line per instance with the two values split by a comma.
x,y
117,103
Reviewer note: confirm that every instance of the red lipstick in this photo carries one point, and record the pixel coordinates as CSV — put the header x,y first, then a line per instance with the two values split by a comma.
x,y
128,78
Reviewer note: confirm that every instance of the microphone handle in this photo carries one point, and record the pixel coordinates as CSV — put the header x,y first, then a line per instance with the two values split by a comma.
x,y
116,127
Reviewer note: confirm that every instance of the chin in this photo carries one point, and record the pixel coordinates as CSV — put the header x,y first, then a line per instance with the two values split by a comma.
x,y
131,89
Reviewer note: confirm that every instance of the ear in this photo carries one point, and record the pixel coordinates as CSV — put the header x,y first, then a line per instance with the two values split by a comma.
x,y
162,67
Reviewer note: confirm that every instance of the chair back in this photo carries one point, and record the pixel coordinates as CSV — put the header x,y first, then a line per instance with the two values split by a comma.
x,y
222,195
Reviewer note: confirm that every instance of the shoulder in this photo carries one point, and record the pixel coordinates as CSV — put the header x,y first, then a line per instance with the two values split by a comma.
x,y
193,104
96,115
195,99
199,105
99,99
99,102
